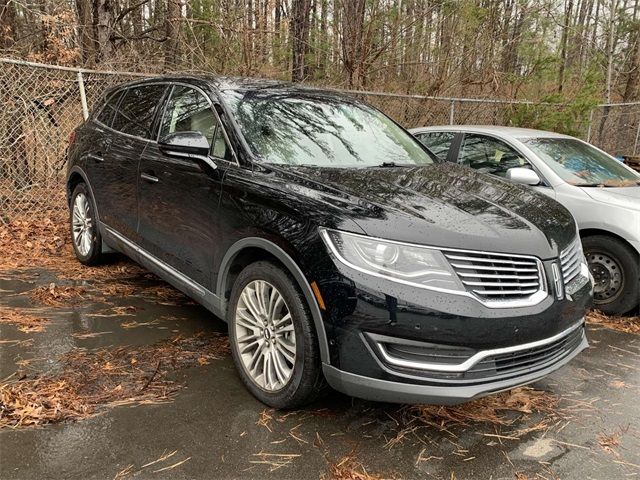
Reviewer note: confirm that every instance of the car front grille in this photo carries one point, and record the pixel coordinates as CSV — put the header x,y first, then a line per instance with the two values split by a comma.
x,y
570,260
497,277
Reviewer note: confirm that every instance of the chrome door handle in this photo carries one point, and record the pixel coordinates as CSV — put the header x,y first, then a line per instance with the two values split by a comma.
x,y
149,178
95,157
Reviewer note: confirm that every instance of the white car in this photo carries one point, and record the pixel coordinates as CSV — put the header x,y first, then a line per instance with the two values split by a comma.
x,y
602,193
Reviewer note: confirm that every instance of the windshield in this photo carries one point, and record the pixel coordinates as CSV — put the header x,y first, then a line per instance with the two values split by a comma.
x,y
300,128
580,164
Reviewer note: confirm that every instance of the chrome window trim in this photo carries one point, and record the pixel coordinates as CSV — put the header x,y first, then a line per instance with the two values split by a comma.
x,y
467,364
532,300
122,90
212,107
171,84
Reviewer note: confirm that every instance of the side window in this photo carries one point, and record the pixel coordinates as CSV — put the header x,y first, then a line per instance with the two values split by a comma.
x,y
137,109
438,142
106,114
490,155
188,110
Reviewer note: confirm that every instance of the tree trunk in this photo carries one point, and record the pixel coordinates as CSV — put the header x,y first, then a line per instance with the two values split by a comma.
x,y
299,31
102,25
172,32
352,50
86,41
7,23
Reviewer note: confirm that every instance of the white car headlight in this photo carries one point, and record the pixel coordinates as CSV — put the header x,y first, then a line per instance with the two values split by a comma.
x,y
409,264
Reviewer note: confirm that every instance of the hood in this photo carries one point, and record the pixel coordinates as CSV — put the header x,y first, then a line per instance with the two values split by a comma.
x,y
625,197
444,205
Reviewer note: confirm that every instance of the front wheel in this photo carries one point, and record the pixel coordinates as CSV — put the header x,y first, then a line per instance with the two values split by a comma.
x,y
87,243
273,339
616,273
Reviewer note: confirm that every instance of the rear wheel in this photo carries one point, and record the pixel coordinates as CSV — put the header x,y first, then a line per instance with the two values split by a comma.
x,y
616,273
273,340
87,243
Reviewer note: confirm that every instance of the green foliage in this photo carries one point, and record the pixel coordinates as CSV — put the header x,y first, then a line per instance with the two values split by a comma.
x,y
560,113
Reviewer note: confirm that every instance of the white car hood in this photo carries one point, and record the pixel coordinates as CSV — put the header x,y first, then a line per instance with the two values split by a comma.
x,y
626,197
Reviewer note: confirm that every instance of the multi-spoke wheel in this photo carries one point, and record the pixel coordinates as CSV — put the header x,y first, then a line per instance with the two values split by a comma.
x,y
265,335
616,273
84,231
273,340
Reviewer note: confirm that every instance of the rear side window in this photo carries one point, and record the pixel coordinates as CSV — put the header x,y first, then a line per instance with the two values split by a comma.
x,y
438,142
137,109
106,114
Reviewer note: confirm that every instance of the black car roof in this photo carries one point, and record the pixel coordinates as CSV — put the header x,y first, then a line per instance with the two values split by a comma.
x,y
242,84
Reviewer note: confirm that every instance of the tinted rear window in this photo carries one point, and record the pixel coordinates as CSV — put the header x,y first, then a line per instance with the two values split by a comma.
x,y
137,109
106,114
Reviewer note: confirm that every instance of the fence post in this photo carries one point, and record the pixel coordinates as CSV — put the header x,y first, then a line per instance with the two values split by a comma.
x,y
590,124
452,109
83,96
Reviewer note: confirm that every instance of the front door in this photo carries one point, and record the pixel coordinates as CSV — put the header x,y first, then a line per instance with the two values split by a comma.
x,y
491,155
178,199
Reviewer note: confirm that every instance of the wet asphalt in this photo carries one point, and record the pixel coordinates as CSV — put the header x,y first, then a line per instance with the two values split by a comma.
x,y
211,428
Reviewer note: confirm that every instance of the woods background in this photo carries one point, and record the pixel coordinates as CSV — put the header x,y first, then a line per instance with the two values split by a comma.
x,y
583,51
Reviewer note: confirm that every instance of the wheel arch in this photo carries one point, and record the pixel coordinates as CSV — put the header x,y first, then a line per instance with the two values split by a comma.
x,y
251,249
590,232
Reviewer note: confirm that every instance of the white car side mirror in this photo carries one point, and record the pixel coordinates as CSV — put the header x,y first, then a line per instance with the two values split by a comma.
x,y
524,176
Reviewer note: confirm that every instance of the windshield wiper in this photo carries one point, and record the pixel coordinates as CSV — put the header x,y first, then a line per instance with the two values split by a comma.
x,y
389,165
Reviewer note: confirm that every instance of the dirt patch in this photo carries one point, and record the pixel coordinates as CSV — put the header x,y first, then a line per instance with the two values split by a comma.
x,y
26,322
622,324
92,380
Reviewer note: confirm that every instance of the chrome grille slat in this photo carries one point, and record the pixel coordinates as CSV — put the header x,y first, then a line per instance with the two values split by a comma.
x,y
498,269
506,292
500,284
487,260
570,261
498,277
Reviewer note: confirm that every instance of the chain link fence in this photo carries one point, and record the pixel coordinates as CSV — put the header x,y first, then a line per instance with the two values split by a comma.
x,y
42,104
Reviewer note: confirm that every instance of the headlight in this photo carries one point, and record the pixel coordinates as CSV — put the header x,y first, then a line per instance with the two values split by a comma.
x,y
409,264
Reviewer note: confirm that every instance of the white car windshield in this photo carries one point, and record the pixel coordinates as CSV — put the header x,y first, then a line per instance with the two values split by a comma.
x,y
580,164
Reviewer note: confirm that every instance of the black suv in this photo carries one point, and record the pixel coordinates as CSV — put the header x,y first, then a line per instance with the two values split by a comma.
x,y
334,244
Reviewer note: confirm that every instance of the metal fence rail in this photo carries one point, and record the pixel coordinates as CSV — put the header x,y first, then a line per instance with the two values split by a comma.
x,y
40,105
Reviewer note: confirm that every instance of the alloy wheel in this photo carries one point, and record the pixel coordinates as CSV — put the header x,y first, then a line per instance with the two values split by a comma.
x,y
82,224
265,335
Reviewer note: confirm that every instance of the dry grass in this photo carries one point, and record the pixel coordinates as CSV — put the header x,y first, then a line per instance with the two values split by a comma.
x,y
622,324
26,322
91,380
349,468
496,409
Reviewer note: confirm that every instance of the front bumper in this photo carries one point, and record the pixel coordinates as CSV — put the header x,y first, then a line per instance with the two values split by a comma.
x,y
459,391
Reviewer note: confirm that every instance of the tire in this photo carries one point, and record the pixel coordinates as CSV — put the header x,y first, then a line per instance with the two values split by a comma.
x,y
615,267
267,346
85,235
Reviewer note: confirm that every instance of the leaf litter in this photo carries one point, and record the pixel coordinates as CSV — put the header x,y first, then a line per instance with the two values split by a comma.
x,y
90,380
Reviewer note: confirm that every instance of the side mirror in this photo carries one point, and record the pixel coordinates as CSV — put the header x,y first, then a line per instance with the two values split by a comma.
x,y
523,176
192,145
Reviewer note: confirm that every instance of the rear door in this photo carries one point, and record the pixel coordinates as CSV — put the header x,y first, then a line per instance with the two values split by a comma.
x,y
178,199
131,133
